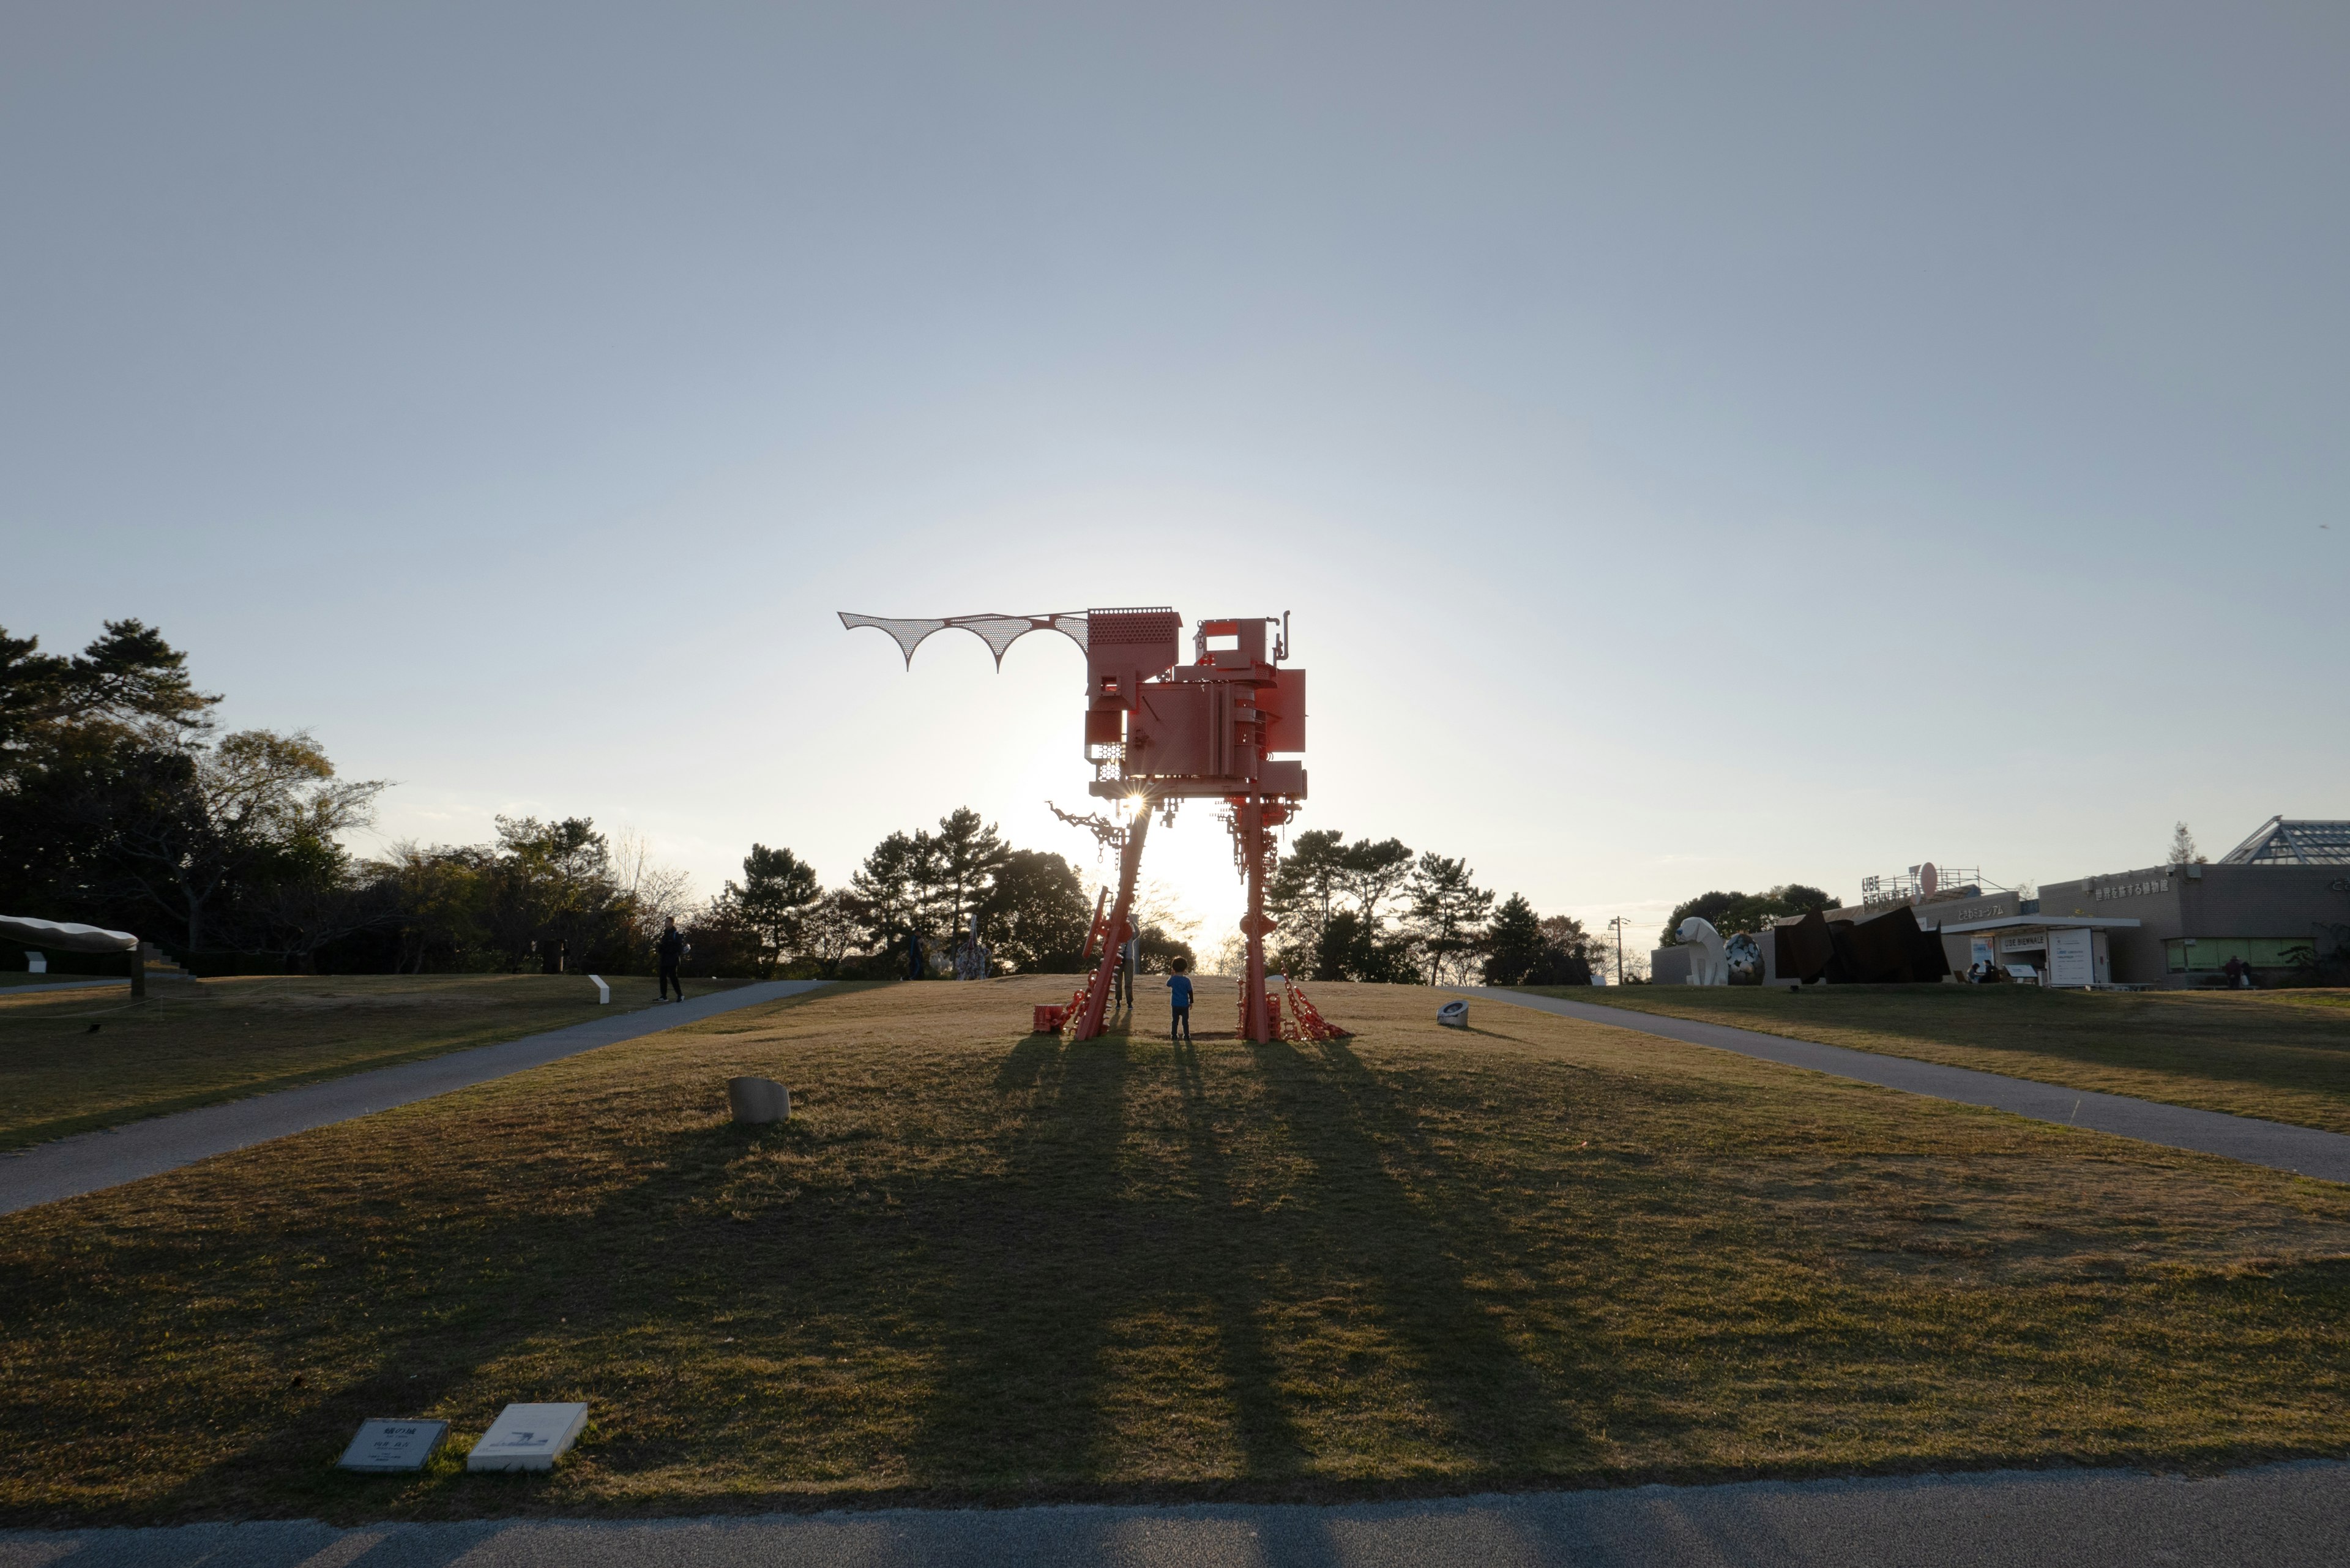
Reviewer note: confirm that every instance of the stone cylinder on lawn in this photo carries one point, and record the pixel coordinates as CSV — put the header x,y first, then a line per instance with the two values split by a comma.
x,y
757,1100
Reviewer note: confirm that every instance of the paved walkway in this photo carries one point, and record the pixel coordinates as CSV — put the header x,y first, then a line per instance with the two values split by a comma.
x,y
2282,1516
44,987
88,1162
2308,1151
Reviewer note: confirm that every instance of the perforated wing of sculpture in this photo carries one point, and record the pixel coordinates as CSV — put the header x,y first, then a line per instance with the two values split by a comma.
x,y
998,631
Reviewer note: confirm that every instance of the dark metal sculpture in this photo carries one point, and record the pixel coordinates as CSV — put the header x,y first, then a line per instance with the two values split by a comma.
x,y
1890,948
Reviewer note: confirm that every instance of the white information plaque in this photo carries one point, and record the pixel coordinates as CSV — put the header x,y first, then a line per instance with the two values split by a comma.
x,y
2069,959
388,1445
528,1438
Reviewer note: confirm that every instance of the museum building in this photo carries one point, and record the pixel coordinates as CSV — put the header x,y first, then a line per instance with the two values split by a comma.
x,y
2277,901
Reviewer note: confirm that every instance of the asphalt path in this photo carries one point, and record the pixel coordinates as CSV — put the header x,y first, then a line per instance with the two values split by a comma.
x,y
89,1162
2308,1151
2281,1516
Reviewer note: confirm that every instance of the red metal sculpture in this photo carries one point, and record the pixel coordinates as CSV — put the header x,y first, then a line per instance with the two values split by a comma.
x,y
1229,725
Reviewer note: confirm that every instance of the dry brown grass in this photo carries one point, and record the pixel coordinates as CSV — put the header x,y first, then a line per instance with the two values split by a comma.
x,y
74,1059
985,1266
2283,1055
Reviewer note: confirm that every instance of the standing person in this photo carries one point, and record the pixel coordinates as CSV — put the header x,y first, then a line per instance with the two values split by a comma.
x,y
1179,992
671,948
1121,977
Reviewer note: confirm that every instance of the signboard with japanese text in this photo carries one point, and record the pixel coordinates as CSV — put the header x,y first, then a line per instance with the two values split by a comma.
x,y
2070,958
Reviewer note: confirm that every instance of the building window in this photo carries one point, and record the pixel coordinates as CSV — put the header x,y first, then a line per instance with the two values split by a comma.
x,y
2208,955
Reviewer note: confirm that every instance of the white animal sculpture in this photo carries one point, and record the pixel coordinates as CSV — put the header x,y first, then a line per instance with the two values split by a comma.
x,y
970,954
1710,965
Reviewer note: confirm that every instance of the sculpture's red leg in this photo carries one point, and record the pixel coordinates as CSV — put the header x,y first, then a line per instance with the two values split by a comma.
x,y
1129,862
1255,1023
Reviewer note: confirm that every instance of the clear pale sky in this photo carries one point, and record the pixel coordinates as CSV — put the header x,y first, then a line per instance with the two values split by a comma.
x,y
1700,446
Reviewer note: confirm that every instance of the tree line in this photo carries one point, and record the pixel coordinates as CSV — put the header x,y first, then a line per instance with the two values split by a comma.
x,y
1372,910
122,805
911,903
1730,912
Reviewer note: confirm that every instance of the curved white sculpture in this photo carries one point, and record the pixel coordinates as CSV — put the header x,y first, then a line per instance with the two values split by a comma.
x,y
1710,965
66,936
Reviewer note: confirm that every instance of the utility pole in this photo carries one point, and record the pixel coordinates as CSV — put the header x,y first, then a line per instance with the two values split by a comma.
x,y
1618,923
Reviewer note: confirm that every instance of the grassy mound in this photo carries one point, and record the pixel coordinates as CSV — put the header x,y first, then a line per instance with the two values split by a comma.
x,y
984,1266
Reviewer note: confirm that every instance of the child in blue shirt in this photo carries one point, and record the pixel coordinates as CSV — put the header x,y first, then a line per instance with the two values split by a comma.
x,y
1179,992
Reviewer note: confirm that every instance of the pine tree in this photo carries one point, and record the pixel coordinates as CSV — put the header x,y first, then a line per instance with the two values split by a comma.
x,y
1036,914
890,887
1300,893
776,889
1448,909
1514,943
1370,873
967,855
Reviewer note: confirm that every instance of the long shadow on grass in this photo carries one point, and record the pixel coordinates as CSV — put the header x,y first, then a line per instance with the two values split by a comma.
x,y
1051,1269
437,1316
454,1301
1074,1252
1007,1281
1395,1217
1269,1442
1025,1068
952,1324
1031,1268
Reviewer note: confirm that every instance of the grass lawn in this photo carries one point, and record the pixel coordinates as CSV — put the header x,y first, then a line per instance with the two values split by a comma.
x,y
2283,1055
979,1265
79,1059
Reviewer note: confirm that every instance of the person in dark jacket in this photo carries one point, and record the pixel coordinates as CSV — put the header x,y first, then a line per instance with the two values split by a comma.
x,y
671,948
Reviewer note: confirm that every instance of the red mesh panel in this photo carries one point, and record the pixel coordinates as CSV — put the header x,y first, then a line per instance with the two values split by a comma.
x,y
1104,626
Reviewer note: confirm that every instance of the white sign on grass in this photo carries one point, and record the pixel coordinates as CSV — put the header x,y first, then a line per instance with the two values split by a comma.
x,y
385,1445
528,1438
